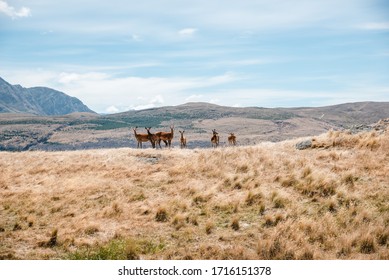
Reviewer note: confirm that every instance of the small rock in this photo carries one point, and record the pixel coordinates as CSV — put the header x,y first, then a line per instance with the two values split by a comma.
x,y
304,145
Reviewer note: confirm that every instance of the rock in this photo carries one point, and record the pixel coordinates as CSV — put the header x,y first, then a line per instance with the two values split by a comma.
x,y
360,128
304,145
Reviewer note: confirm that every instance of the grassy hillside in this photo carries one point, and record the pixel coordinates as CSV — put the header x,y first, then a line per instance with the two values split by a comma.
x,y
268,201
347,114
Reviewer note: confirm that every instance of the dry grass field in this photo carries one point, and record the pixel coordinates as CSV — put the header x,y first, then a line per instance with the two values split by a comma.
x,y
268,201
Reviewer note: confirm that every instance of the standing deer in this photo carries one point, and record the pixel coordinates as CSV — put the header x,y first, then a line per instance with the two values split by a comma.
x,y
166,137
232,139
153,138
142,138
182,139
215,138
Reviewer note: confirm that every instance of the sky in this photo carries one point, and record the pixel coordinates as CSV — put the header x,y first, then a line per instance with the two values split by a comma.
x,y
122,55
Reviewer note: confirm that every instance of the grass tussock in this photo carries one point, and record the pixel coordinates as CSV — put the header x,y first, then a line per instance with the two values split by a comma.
x,y
161,215
52,241
235,224
268,201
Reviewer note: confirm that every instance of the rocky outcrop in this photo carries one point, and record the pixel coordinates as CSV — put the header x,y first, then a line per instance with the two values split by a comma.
x,y
380,126
304,145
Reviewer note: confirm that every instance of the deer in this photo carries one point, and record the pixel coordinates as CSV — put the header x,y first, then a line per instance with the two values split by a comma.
x,y
232,139
166,137
153,138
182,139
142,138
215,138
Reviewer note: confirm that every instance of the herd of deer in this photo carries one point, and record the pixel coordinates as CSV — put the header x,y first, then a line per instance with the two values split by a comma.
x,y
167,137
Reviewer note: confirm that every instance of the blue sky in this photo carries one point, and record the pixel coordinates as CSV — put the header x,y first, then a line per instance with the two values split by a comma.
x,y
121,55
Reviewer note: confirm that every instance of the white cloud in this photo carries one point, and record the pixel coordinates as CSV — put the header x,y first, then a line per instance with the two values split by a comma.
x,y
145,102
112,109
12,12
158,99
72,78
374,26
136,38
66,78
214,101
187,32
155,101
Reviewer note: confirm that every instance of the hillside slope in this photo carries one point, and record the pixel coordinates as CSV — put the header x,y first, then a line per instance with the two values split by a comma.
x,y
268,201
37,100
342,115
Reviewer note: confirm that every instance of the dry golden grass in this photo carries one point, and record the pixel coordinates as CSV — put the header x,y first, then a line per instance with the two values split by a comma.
x,y
268,201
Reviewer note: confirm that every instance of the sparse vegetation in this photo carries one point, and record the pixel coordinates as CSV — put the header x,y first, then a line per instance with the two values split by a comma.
x,y
268,201
235,223
116,249
162,215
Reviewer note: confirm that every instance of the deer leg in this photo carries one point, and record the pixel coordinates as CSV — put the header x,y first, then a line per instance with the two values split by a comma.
x,y
159,143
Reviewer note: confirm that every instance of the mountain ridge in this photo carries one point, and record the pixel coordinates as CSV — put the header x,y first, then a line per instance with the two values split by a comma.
x,y
42,101
343,115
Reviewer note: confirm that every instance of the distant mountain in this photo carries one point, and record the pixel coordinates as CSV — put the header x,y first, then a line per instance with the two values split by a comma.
x,y
38,101
342,115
